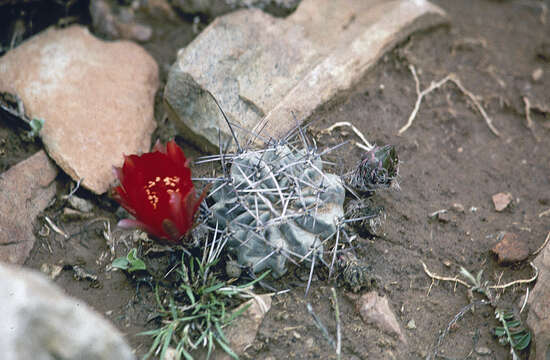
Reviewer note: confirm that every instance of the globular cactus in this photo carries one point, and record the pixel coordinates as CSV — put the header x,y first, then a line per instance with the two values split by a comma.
x,y
276,204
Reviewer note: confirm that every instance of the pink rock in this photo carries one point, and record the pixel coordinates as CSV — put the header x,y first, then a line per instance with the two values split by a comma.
x,y
376,310
96,98
510,249
25,190
502,200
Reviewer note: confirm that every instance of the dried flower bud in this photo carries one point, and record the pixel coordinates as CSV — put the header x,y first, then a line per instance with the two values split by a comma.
x,y
377,169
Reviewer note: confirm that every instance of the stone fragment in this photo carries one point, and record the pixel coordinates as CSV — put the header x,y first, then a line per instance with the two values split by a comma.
x,y
40,322
376,310
25,190
483,351
458,207
96,98
80,204
537,74
214,8
538,317
502,200
510,249
52,270
269,74
242,332
411,325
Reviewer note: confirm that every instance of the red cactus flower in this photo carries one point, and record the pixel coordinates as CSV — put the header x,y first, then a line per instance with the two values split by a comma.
x,y
156,188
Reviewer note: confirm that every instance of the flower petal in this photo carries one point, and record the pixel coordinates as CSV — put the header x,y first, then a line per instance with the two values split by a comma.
x,y
176,212
171,230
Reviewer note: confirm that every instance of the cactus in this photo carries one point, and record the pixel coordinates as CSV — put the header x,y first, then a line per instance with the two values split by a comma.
x,y
276,204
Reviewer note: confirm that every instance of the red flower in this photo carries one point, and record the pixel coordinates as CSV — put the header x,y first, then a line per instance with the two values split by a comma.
x,y
156,188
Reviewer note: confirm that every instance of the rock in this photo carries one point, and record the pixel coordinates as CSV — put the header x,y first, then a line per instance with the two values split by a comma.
x,y
483,350
242,332
25,190
117,24
52,270
96,98
537,74
538,317
502,200
458,207
80,204
214,8
269,74
376,310
41,322
510,249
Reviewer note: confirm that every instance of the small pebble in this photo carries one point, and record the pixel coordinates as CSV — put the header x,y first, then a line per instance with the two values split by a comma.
x,y
537,74
483,350
458,207
502,200
80,204
411,325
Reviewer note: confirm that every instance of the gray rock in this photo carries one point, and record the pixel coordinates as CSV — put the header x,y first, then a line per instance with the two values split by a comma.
x,y
80,204
40,322
538,317
269,74
96,98
25,190
219,7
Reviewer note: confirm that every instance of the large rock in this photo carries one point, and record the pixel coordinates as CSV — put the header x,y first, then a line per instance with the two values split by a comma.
x,y
96,99
269,74
538,318
25,190
40,322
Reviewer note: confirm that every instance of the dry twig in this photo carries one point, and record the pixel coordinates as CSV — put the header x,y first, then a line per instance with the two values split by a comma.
x,y
436,85
365,146
443,278
520,281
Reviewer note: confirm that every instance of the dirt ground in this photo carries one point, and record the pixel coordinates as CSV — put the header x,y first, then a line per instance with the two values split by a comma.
x,y
449,155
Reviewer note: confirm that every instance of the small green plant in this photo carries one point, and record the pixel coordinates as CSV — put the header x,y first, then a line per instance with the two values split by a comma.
x,y
197,312
130,262
477,284
511,332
